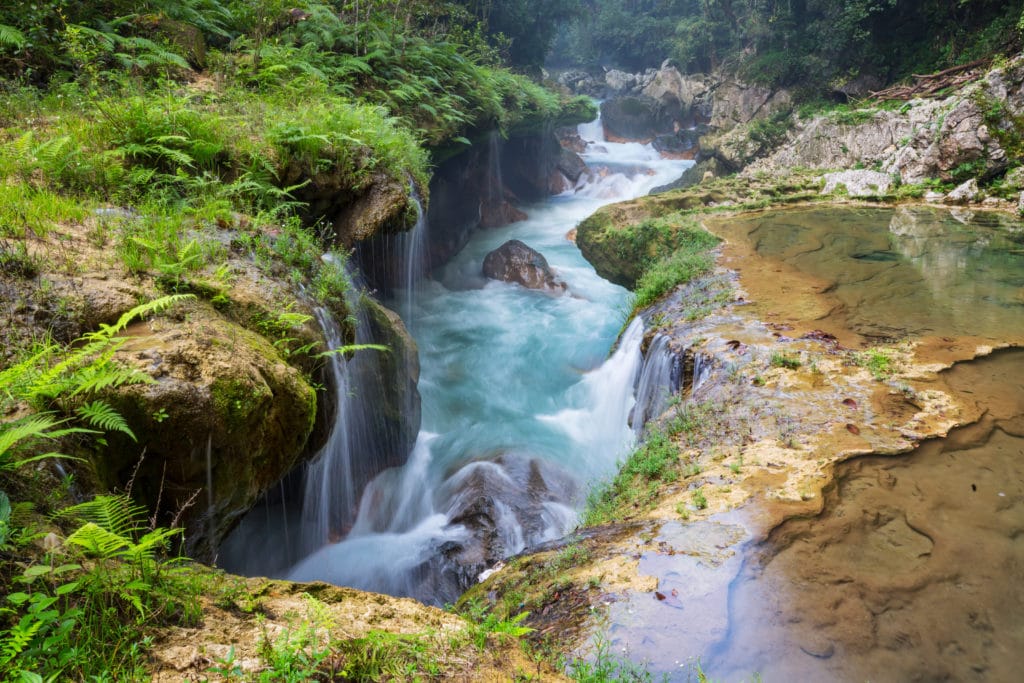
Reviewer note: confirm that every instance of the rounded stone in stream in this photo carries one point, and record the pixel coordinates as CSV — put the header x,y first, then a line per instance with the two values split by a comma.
x,y
518,263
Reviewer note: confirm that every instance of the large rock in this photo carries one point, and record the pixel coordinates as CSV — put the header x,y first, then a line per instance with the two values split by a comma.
x,y
858,183
735,103
636,118
963,193
947,139
689,94
620,82
225,418
515,262
581,83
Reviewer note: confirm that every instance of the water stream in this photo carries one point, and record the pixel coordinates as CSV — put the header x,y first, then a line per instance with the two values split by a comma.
x,y
523,408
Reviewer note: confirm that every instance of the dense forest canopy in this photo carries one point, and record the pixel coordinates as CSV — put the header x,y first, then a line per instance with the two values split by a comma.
x,y
790,42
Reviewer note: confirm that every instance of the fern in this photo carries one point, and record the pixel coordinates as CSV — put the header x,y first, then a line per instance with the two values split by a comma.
x,y
11,37
116,514
100,414
19,433
97,541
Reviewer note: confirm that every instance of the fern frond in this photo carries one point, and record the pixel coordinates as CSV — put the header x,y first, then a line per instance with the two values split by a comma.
x,y
151,543
117,514
142,310
20,432
102,415
11,37
351,348
97,541
95,378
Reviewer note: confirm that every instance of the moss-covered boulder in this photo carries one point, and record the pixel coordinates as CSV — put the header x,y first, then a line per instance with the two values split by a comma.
x,y
225,418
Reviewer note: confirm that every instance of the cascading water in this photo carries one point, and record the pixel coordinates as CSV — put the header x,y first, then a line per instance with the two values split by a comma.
x,y
522,407
659,378
412,245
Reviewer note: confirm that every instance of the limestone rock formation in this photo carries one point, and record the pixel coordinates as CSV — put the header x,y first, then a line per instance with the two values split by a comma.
x,y
942,138
858,183
690,94
516,262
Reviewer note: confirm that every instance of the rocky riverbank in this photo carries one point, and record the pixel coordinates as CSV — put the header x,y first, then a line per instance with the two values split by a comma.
x,y
775,380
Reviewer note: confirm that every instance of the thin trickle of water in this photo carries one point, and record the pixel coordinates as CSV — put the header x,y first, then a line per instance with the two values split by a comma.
x,y
655,384
412,249
702,366
495,182
329,489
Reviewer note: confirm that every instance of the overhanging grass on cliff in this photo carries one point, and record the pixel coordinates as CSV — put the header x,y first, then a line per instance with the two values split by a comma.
x,y
691,255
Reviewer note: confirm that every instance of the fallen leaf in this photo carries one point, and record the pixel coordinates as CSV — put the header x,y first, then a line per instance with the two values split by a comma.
x,y
853,429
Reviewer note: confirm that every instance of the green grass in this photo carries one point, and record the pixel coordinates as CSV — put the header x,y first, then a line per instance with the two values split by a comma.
x,y
788,361
690,257
655,461
877,361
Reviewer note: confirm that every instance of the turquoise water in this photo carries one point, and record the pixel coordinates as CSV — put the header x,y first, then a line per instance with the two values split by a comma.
x,y
523,409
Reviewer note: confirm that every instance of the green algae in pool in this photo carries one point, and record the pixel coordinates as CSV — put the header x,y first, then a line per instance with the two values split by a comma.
x,y
904,272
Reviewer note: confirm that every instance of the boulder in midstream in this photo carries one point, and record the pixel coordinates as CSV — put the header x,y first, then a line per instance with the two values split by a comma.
x,y
517,263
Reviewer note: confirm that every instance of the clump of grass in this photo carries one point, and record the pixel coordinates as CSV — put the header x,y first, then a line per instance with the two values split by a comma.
x,y
691,257
877,361
699,501
785,360
654,462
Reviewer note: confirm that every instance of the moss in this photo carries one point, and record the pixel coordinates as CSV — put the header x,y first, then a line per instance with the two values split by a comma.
x,y
237,400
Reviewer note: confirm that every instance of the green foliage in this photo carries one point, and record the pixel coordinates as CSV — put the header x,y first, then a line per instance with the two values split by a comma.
x,y
813,45
606,665
789,361
655,461
663,276
87,618
878,362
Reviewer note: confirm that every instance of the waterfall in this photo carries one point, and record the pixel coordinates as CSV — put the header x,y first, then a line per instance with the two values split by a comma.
x,y
655,384
523,408
329,486
702,366
495,182
411,248
601,424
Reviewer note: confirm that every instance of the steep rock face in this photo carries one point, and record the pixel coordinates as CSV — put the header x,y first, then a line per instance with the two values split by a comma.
x,y
924,139
518,263
357,214
391,385
735,103
689,94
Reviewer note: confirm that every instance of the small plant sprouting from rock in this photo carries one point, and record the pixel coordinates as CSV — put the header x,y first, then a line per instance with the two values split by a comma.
x,y
785,360
877,361
699,500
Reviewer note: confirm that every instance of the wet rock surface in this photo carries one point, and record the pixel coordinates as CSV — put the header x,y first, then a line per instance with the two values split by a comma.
x,y
795,425
517,263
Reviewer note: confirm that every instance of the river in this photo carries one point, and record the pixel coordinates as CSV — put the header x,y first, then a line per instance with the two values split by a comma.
x,y
523,409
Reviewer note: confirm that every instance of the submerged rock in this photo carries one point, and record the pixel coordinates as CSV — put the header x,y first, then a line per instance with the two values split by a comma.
x,y
518,263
